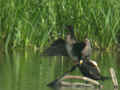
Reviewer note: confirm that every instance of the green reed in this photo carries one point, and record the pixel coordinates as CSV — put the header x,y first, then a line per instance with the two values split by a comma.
x,y
29,23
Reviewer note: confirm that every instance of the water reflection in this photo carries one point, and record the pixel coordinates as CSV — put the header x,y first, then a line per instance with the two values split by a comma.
x,y
28,70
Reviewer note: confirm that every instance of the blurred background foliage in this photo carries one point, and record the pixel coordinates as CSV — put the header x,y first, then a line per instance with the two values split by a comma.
x,y
33,23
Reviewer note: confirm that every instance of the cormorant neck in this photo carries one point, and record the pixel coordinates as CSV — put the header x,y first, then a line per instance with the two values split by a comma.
x,y
70,40
87,42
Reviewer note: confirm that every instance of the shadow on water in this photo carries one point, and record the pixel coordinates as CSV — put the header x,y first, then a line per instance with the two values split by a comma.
x,y
28,70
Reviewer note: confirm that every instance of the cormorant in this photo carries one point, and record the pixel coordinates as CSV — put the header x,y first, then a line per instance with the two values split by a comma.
x,y
90,70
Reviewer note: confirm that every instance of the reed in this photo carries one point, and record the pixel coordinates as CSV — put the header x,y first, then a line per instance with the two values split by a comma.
x,y
28,23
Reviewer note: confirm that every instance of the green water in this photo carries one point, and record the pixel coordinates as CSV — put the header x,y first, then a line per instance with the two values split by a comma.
x,y
28,70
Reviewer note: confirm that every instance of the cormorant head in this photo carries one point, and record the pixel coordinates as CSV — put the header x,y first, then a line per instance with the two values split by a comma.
x,y
70,30
70,27
70,38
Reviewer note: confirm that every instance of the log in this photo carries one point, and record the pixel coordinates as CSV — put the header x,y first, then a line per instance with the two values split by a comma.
x,y
93,82
76,84
114,78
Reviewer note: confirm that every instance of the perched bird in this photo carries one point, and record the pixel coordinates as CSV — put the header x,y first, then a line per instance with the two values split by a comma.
x,y
77,50
91,70
70,47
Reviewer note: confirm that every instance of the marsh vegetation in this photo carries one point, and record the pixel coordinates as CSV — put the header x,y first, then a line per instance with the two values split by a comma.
x,y
26,23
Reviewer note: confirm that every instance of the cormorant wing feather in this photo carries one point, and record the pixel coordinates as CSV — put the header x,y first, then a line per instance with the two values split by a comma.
x,y
90,71
57,48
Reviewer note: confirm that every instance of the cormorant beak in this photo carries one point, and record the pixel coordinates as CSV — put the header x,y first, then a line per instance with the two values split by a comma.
x,y
81,62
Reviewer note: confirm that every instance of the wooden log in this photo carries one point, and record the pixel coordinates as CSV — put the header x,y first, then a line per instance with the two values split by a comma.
x,y
94,82
76,84
114,78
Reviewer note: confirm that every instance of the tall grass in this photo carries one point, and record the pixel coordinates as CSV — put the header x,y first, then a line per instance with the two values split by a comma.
x,y
29,22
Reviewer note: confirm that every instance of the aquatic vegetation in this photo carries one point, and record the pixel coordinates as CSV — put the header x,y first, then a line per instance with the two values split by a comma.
x,y
26,23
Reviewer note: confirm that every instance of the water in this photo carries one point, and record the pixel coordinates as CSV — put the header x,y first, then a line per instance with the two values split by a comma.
x,y
28,70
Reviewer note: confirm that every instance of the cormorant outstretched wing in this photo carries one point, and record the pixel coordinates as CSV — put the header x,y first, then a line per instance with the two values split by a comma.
x,y
57,48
